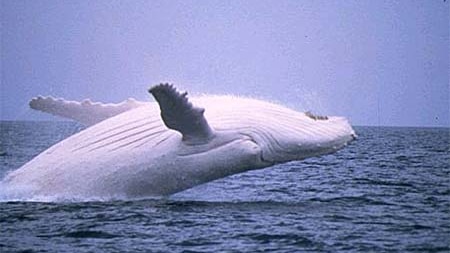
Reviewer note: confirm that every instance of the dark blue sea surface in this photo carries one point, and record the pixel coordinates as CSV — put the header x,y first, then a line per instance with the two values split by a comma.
x,y
388,191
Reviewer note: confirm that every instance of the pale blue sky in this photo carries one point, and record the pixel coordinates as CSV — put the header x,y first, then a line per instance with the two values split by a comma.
x,y
375,62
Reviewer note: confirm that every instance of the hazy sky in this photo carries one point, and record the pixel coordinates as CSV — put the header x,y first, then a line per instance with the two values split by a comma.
x,y
375,62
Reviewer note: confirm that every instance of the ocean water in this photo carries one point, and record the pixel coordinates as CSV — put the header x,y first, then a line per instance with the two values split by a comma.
x,y
389,191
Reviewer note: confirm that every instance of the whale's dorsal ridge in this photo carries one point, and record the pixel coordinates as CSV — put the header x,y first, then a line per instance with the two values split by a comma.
x,y
179,114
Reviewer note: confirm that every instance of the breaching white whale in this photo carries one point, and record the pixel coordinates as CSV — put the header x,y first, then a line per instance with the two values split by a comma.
x,y
137,149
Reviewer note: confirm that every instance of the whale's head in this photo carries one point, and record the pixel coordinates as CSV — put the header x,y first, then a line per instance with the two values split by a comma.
x,y
289,144
281,134
284,139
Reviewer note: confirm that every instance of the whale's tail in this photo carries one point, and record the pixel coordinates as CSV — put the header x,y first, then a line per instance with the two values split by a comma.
x,y
85,112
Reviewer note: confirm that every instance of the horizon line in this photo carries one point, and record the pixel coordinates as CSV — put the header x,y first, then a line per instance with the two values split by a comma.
x,y
356,125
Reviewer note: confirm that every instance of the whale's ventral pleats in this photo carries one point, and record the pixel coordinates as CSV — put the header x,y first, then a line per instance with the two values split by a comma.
x,y
179,114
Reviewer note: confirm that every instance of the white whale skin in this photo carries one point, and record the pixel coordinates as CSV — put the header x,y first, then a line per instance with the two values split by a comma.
x,y
134,154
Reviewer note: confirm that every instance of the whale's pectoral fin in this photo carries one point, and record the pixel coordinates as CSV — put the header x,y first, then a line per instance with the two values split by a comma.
x,y
85,112
179,114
